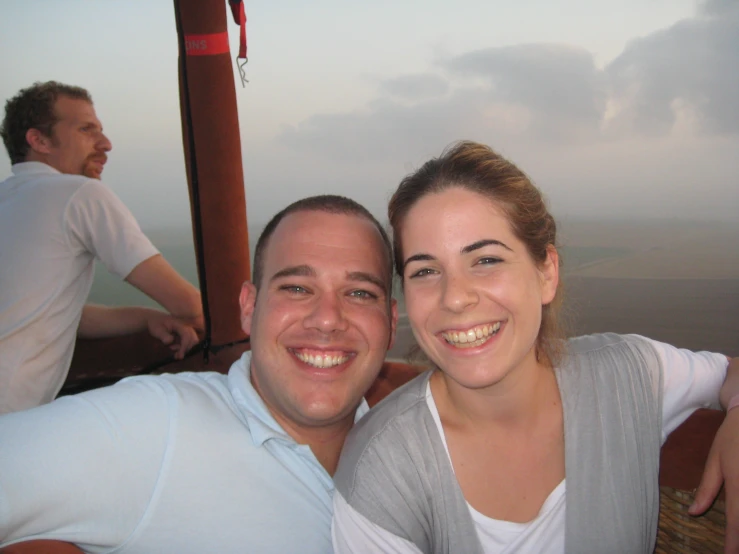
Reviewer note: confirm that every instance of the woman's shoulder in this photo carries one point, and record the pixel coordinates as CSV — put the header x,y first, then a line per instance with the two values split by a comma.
x,y
393,462
610,361
390,437
623,351
403,404
600,341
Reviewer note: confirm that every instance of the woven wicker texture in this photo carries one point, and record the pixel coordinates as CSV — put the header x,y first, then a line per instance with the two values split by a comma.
x,y
680,533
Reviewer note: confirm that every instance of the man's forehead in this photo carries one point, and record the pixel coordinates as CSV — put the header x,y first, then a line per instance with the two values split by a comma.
x,y
311,238
326,225
306,270
67,107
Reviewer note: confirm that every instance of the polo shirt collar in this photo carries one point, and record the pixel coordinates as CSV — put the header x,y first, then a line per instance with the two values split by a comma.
x,y
33,168
262,424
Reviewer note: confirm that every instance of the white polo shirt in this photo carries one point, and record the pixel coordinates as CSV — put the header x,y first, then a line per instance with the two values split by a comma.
x,y
187,464
52,227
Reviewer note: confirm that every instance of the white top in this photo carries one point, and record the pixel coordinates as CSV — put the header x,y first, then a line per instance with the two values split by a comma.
x,y
52,227
692,380
187,464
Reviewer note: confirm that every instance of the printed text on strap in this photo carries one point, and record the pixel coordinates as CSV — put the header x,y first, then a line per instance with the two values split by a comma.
x,y
206,45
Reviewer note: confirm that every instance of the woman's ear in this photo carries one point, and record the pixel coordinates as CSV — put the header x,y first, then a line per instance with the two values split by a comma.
x,y
549,272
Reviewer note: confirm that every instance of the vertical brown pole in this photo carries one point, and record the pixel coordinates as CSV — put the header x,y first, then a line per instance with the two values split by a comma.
x,y
213,158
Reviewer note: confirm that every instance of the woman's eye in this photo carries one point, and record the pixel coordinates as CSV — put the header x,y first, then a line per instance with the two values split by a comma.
x,y
421,273
488,260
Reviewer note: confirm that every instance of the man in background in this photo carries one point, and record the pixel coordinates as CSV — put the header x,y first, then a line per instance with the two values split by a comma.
x,y
205,462
56,218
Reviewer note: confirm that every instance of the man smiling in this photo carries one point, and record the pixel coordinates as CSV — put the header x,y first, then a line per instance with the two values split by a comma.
x,y
319,324
206,462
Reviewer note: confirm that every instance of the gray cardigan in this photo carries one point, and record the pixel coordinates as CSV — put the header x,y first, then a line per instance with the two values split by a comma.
x,y
395,471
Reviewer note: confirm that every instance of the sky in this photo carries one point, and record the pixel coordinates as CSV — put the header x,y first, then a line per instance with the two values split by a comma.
x,y
616,110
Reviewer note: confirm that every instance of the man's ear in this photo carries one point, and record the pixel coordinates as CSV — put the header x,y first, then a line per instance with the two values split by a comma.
x,y
247,299
38,141
549,272
393,322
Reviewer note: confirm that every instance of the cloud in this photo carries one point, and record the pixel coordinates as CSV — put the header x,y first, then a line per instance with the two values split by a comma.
x,y
717,7
654,133
415,87
388,127
686,72
558,84
680,81
499,95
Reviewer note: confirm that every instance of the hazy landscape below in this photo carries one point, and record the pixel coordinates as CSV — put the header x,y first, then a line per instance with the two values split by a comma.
x,y
651,249
673,281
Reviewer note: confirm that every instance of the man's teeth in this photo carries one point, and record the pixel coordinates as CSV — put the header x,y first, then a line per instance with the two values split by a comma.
x,y
322,360
472,337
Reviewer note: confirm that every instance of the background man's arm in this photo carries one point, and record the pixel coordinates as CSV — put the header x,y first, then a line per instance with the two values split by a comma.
x,y
156,278
99,322
105,321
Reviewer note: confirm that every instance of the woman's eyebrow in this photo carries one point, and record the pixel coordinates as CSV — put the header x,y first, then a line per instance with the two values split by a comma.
x,y
481,243
418,258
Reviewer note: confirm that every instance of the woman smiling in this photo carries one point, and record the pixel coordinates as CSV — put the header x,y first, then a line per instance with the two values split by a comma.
x,y
518,440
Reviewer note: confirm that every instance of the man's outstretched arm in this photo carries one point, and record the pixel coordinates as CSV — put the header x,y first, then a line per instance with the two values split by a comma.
x,y
83,468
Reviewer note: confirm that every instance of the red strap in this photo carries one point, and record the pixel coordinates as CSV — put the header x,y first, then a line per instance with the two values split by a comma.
x,y
242,36
206,45
233,4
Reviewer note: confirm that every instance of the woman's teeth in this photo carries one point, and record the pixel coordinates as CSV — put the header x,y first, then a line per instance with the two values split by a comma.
x,y
472,337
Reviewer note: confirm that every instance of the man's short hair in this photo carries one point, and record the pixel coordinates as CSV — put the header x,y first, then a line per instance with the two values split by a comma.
x,y
328,203
33,108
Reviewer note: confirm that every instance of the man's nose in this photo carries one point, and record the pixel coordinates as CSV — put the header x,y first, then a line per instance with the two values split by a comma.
x,y
104,143
327,314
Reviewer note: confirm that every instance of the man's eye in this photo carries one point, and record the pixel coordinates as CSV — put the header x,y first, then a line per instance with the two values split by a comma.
x,y
421,273
294,289
363,294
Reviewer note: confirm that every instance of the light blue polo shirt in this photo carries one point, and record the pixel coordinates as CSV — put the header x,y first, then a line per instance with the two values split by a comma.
x,y
185,463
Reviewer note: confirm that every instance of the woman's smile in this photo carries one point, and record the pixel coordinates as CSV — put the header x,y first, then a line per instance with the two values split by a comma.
x,y
472,337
